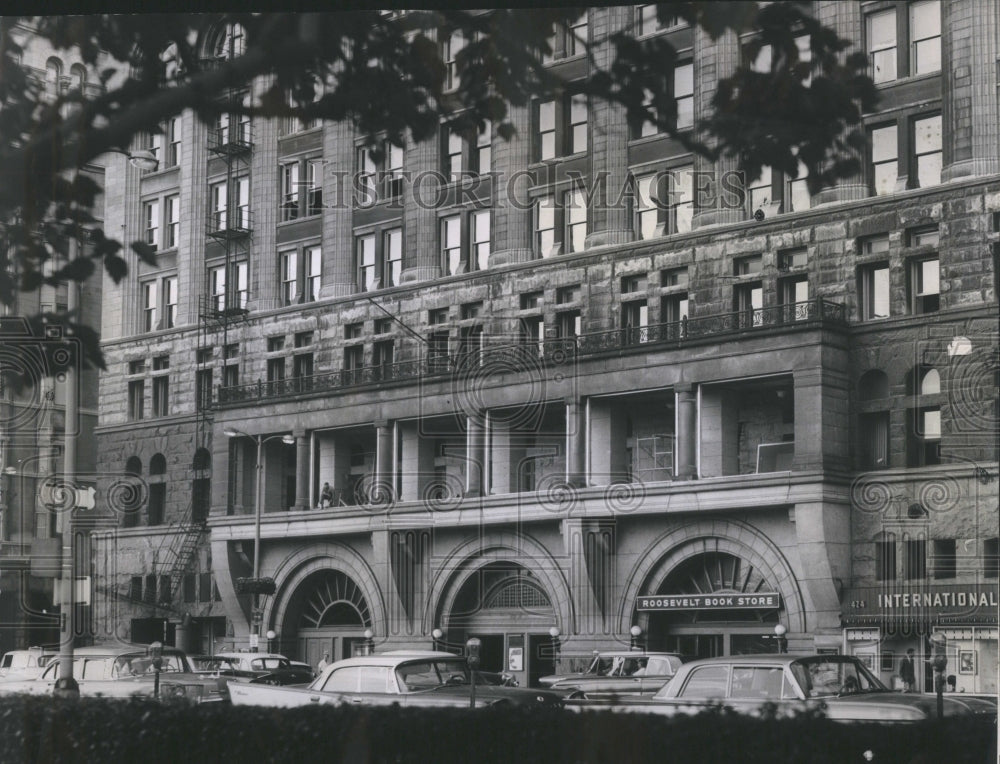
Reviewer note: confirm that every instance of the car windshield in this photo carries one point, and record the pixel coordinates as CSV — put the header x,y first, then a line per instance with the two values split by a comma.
x,y
425,675
213,663
826,676
268,664
140,664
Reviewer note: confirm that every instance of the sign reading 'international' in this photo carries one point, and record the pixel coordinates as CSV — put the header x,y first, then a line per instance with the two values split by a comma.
x,y
719,601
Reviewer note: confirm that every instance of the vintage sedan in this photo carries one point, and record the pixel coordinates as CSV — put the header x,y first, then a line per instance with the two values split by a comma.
x,y
25,664
840,686
263,668
118,671
407,678
615,674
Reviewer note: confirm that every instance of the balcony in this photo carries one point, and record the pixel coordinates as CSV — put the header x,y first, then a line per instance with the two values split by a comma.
x,y
230,139
234,222
552,352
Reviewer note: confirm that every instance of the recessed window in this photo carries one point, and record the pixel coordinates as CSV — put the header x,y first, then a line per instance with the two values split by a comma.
x,y
353,331
151,223
634,284
885,560
924,285
927,151
884,166
915,563
747,266
881,36
873,291
674,277
532,300
365,248
567,294
173,205
945,558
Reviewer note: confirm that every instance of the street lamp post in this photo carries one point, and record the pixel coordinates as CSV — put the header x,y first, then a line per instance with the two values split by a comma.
x,y
288,440
779,635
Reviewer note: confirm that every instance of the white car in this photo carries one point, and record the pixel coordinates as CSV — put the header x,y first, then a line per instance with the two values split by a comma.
x,y
24,664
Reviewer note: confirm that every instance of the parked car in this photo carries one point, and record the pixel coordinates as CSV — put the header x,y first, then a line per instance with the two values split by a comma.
x,y
840,685
265,668
409,678
24,664
119,671
619,673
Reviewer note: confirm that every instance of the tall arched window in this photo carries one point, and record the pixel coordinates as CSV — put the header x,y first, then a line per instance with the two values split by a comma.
x,y
923,442
157,490
873,420
53,76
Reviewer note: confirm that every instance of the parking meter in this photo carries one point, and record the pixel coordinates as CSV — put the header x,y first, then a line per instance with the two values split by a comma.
x,y
472,648
155,652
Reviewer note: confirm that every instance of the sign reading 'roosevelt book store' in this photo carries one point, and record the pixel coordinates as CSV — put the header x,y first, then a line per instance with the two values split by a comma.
x,y
714,601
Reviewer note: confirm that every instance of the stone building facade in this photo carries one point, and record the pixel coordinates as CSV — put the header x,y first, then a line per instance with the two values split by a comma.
x,y
549,423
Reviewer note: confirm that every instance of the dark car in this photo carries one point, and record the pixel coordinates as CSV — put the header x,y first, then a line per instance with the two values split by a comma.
x,y
619,673
839,685
263,668
407,678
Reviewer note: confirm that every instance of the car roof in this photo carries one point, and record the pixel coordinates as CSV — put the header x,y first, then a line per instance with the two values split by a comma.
x,y
631,654
247,655
394,658
110,650
778,658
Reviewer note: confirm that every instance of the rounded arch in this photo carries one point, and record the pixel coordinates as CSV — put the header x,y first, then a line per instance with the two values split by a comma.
x,y
873,385
518,549
291,573
133,465
158,465
728,536
930,381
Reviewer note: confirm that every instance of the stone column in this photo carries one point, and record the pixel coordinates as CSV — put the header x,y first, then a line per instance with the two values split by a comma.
x,y
475,454
264,180
844,19
191,277
713,61
338,213
576,424
821,419
823,539
384,460
687,431
610,134
421,259
417,465
512,211
302,492
969,106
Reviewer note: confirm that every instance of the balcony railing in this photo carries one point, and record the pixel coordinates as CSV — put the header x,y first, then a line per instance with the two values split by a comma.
x,y
515,358
235,221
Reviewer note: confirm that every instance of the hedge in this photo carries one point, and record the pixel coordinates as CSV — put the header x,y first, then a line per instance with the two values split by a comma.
x,y
43,730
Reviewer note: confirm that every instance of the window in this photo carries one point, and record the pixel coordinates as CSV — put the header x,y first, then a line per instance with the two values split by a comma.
x,y
759,191
875,440
366,262
923,445
647,22
635,322
203,384
796,195
173,204
684,95
161,387
561,127
748,301
925,37
674,308
354,357
288,264
302,364
314,202
314,270
170,302
353,331
136,398
381,180
874,245
532,332
915,563
575,206
945,558
235,295
450,49
153,143
873,291
706,682
991,557
149,306
454,162
471,310
568,324
217,192
663,203
466,152
290,191
884,160
747,266
924,285
927,151
571,39
151,223
480,255
567,294
794,295
173,135
885,559
451,244
382,353
793,259
881,35
545,227
392,254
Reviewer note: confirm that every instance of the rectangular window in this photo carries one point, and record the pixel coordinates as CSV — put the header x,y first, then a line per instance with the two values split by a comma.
x,y
684,95
471,310
314,204
546,130
577,35
314,269
173,157
924,285
568,324
881,35
927,151
945,558
275,369
674,277
885,560
393,171
203,383
151,223
136,398
915,564
873,291
648,215
217,192
991,558
545,227
635,322
575,214
451,244
480,254
747,266
884,160
577,124
674,308
161,395
874,245
290,191
748,301
170,302
646,20
923,444
567,294
797,196
302,365
392,257
231,375
455,149
635,284
288,265
149,306
354,357
241,191
382,353
532,333
793,259
366,262
353,331
794,293
874,446
239,273
484,149
173,204
437,350
450,49
759,191
925,37
367,175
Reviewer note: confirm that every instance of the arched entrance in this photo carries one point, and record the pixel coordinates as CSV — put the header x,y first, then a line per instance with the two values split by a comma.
x,y
699,626
505,605
327,612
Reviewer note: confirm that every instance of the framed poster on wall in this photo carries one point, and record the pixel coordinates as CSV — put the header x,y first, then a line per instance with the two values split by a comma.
x,y
966,661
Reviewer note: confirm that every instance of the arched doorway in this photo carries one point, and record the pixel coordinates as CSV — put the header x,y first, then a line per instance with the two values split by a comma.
x,y
505,605
701,624
327,612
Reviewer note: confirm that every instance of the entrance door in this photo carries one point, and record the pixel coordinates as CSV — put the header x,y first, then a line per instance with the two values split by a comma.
x,y
693,645
541,661
339,642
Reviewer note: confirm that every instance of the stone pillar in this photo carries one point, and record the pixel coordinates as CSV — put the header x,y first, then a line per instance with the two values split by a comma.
x,y
383,488
512,210
191,276
607,443
338,238
576,424
302,492
969,106
823,539
475,454
713,61
844,19
264,182
421,258
417,467
687,431
589,615
821,419
503,469
609,136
